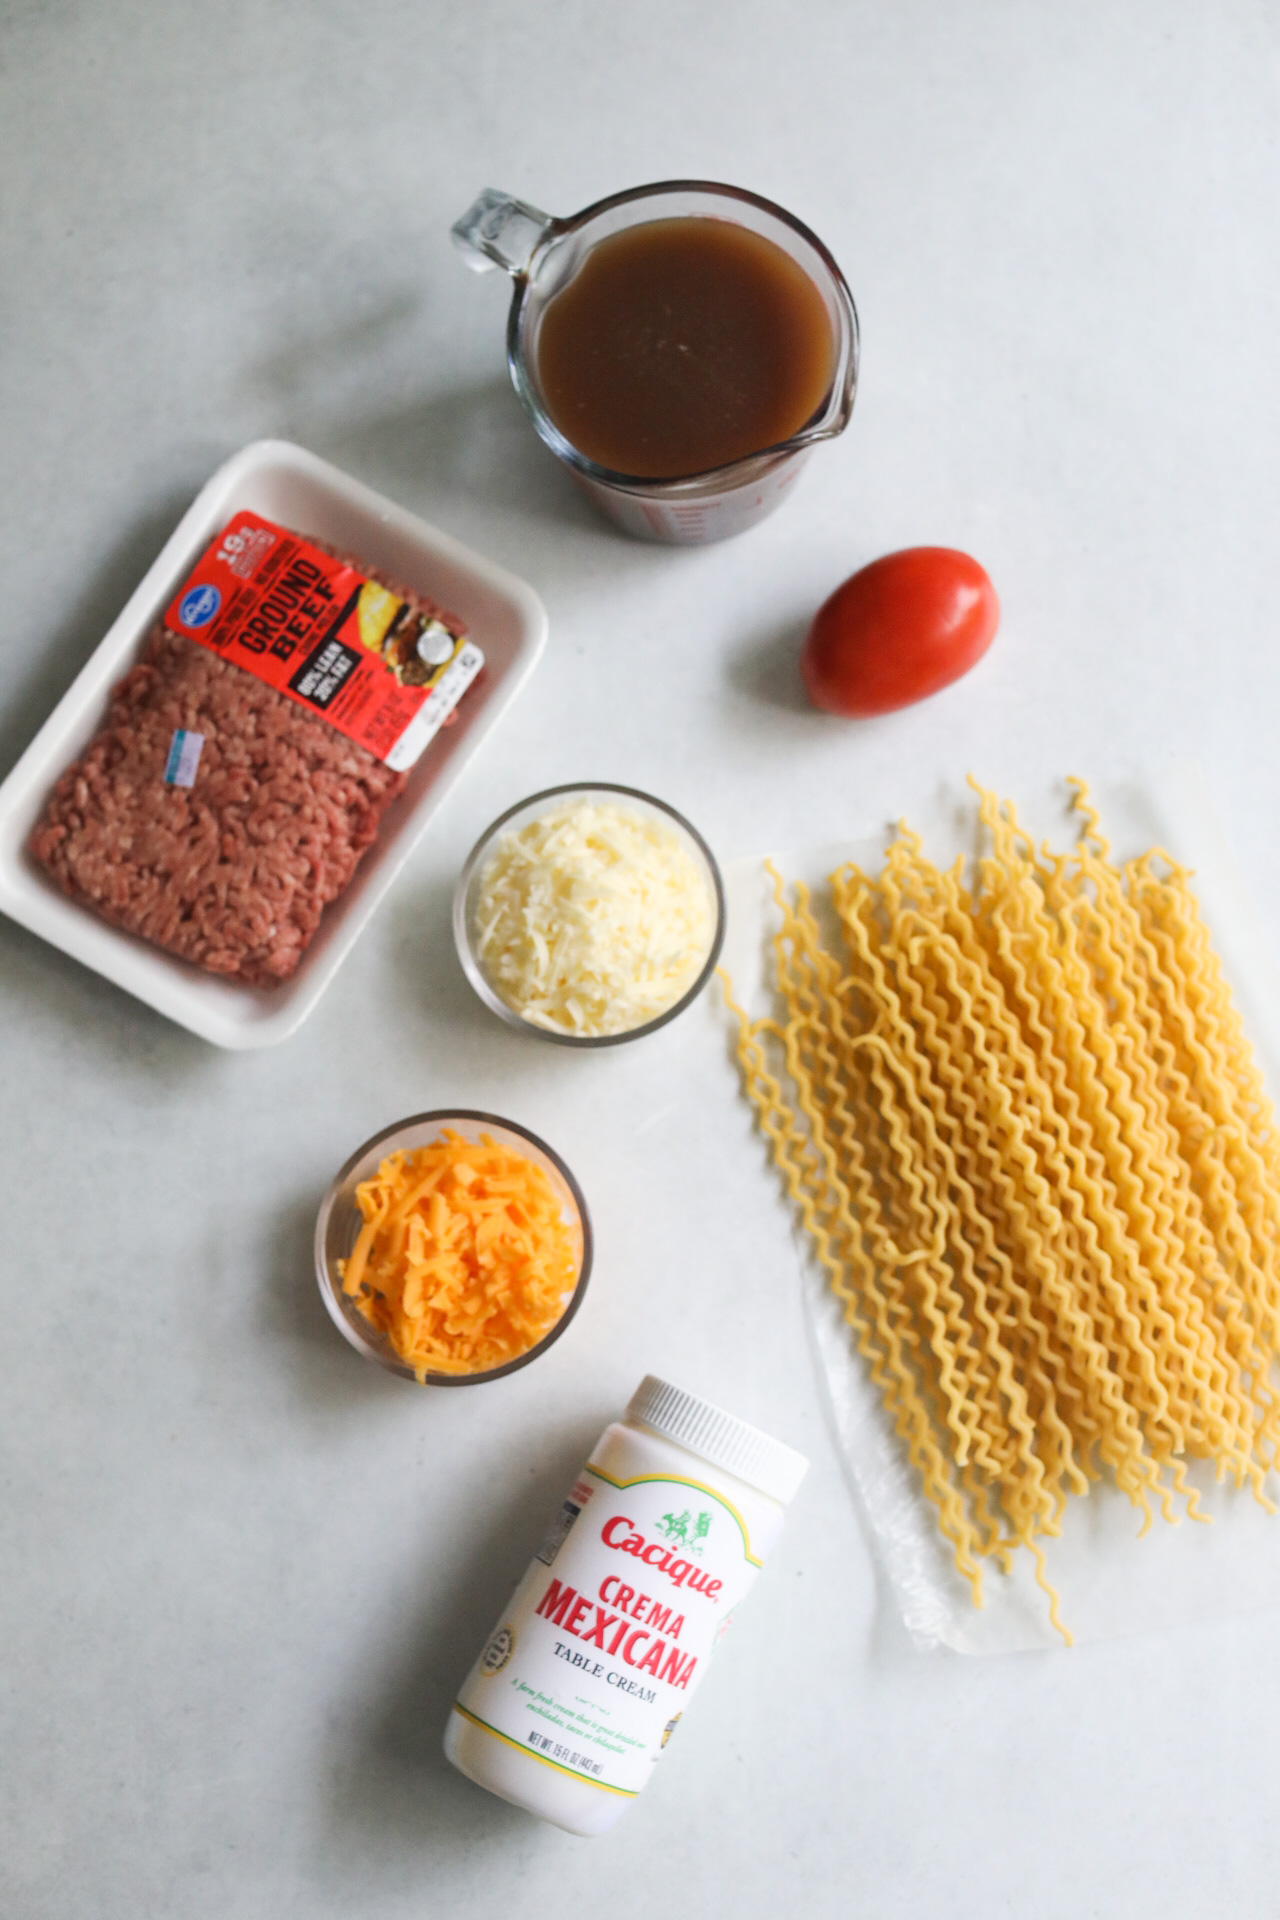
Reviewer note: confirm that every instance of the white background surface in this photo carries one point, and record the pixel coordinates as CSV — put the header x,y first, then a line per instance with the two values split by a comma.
x,y
242,1571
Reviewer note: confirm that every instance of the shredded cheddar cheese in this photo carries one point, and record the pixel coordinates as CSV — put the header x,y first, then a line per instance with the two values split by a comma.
x,y
593,919
465,1260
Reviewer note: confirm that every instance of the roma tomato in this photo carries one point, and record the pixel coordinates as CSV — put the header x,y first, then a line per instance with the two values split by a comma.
x,y
901,629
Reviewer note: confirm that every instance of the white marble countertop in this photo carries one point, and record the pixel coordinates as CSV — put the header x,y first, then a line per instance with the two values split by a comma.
x,y
242,1570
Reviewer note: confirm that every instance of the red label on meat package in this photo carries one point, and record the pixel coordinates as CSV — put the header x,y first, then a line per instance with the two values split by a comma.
x,y
380,670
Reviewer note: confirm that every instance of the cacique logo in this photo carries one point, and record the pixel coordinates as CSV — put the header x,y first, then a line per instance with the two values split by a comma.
x,y
623,1536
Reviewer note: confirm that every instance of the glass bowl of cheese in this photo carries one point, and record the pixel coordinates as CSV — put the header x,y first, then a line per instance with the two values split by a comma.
x,y
589,914
453,1247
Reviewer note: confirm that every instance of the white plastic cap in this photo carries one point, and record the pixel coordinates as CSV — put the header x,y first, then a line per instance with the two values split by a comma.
x,y
716,1436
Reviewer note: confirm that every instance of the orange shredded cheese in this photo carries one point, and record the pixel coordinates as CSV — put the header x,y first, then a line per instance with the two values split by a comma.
x,y
465,1260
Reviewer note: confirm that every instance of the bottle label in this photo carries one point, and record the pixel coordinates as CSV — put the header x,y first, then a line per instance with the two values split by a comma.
x,y
384,672
611,1629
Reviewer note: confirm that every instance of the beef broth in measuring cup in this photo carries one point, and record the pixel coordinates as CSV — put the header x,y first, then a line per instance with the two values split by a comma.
x,y
683,345
680,348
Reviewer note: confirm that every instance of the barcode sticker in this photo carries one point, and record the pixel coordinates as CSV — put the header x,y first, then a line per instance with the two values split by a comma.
x,y
184,757
559,1532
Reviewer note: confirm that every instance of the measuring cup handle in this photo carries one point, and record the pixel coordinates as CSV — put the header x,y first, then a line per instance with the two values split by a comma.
x,y
497,231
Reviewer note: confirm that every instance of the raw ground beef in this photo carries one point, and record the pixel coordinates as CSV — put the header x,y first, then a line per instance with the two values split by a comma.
x,y
234,872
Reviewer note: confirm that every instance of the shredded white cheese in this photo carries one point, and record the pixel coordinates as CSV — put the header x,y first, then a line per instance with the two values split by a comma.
x,y
592,919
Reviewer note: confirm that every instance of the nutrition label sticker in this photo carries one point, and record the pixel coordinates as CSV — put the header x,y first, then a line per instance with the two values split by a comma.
x,y
383,671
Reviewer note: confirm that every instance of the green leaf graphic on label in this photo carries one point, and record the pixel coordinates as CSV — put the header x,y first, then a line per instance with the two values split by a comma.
x,y
684,1528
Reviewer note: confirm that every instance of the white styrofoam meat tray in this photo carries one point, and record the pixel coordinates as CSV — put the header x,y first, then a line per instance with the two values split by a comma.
x,y
286,484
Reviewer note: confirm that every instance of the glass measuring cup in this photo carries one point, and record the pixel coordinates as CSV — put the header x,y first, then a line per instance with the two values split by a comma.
x,y
542,254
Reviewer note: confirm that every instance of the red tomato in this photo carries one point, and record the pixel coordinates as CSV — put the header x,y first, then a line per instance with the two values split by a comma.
x,y
901,629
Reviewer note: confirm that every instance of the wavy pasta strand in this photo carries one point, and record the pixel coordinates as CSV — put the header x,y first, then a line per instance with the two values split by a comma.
x,y
1022,1127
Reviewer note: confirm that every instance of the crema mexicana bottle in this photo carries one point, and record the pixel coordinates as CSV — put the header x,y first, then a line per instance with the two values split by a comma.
x,y
584,1678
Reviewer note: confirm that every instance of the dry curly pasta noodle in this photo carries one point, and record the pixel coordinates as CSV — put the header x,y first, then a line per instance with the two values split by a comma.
x,y
1023,1127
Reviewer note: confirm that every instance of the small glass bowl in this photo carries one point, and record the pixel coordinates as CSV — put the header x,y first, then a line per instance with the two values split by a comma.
x,y
466,898
340,1220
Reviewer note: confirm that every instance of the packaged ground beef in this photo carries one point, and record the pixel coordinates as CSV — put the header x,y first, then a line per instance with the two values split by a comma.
x,y
246,762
